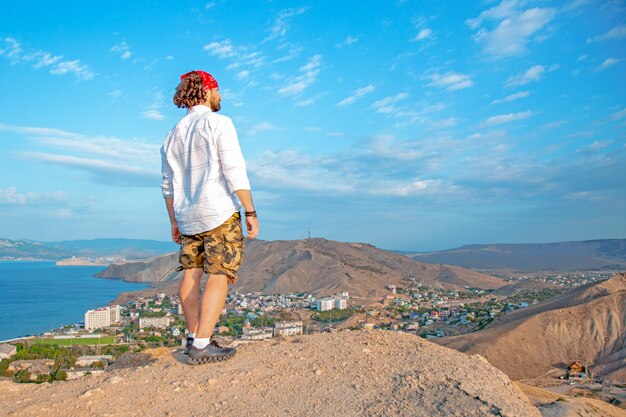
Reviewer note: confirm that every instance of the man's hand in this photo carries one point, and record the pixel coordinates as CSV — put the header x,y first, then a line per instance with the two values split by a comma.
x,y
253,227
175,233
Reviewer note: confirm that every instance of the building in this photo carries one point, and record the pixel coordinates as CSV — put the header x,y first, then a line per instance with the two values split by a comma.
x,y
115,312
6,351
34,366
98,318
287,328
325,304
161,322
102,317
341,304
77,373
576,370
257,333
85,361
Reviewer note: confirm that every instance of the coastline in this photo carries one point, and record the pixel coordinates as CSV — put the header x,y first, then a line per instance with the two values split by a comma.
x,y
60,295
80,262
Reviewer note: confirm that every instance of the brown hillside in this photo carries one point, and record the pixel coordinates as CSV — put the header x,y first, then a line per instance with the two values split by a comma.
x,y
317,266
586,324
364,374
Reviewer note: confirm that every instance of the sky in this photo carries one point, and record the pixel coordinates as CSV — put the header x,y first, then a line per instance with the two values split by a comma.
x,y
409,125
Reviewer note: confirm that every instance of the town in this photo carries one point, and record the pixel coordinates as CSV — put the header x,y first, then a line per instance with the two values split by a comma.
x,y
90,347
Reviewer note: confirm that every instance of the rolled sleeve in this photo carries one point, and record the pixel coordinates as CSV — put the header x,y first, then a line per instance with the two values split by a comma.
x,y
167,186
233,164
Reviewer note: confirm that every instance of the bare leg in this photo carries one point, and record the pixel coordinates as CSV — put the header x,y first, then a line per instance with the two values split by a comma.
x,y
213,300
189,293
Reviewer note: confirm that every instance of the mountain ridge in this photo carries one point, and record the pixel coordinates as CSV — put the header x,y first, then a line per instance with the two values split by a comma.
x,y
587,324
317,266
567,256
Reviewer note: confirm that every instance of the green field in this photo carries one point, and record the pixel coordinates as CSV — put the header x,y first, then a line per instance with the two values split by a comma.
x,y
106,340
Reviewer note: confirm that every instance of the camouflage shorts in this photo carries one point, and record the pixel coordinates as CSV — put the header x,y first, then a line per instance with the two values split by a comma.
x,y
218,251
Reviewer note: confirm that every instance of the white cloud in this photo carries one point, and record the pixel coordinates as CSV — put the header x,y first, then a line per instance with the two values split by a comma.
x,y
242,75
259,127
283,22
108,160
349,41
38,131
506,118
618,32
451,81
122,50
209,5
115,93
42,59
505,30
152,114
387,104
357,94
12,50
619,114
89,163
10,196
169,57
309,72
81,71
512,97
236,99
423,34
153,110
609,62
223,49
533,73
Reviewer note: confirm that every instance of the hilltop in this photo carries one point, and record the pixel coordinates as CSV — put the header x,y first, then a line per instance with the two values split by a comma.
x,y
316,266
586,324
365,374
589,255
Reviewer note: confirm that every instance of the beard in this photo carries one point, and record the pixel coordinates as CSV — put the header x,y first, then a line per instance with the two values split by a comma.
x,y
215,105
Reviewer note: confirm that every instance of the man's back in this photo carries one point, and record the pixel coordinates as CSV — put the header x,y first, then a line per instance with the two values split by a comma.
x,y
203,167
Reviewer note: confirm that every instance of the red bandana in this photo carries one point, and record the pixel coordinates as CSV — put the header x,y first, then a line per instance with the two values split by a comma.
x,y
207,79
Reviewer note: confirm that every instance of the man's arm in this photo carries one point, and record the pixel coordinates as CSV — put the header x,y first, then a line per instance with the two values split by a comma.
x,y
167,188
252,223
169,203
234,169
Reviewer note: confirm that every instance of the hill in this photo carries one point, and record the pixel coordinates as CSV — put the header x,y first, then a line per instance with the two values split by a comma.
x,y
54,251
586,324
365,374
316,266
590,255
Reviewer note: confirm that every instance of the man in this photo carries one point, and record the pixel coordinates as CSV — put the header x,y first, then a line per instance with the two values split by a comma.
x,y
205,184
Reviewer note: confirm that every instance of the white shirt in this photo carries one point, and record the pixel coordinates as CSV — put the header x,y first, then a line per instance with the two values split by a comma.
x,y
202,167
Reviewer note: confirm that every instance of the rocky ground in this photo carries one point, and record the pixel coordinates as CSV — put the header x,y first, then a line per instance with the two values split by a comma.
x,y
358,373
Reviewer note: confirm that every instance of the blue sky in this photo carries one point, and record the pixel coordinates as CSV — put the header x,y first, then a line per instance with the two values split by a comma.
x,y
414,125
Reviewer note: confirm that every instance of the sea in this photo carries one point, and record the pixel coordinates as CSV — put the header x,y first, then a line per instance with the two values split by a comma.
x,y
36,297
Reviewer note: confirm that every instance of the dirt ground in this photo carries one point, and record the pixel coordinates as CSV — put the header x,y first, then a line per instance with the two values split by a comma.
x,y
348,373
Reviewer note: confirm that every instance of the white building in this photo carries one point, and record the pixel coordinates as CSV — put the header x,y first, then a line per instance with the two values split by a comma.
x,y
6,351
84,361
287,328
161,322
115,313
102,317
325,304
341,304
258,333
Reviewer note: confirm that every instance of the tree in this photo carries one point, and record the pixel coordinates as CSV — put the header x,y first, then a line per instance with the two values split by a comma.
x,y
22,376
